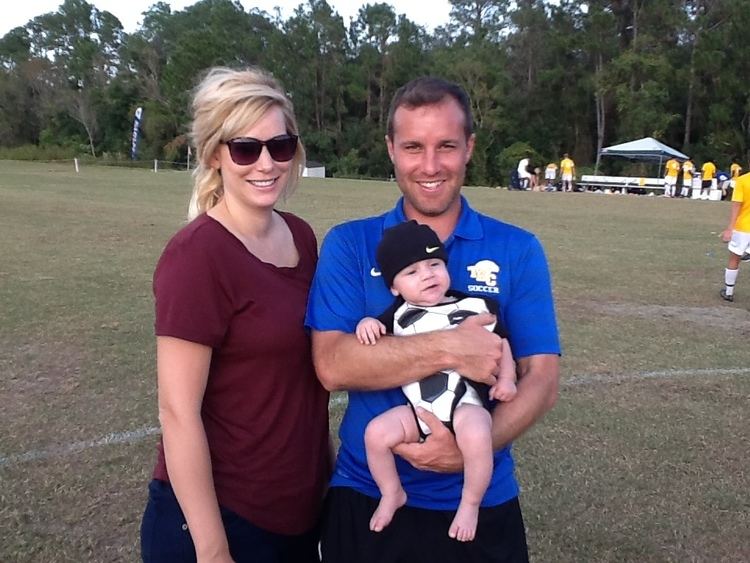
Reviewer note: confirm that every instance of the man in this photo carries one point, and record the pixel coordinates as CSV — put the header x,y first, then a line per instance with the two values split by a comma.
x,y
430,141
567,173
687,177
708,173
734,172
524,174
737,234
550,174
671,170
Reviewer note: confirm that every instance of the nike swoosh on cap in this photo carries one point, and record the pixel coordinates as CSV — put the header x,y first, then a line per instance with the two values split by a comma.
x,y
431,249
374,273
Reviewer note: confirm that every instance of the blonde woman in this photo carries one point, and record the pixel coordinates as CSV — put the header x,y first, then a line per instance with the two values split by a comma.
x,y
243,460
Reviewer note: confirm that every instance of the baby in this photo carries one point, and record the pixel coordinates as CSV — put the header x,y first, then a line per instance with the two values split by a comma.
x,y
413,263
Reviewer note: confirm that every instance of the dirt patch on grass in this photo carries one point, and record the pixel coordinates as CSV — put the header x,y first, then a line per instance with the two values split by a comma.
x,y
725,317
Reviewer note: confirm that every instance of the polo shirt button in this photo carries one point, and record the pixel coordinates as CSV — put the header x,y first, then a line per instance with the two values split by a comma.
x,y
184,527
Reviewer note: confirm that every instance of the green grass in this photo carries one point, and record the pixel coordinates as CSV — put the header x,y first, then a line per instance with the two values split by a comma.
x,y
643,459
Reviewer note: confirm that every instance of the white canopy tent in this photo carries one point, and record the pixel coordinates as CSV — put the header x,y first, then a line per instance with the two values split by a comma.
x,y
647,148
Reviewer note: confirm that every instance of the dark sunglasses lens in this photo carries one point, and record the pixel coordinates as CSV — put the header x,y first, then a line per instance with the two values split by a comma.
x,y
244,152
282,149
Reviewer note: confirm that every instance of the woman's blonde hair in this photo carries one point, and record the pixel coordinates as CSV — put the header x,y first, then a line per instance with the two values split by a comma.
x,y
225,104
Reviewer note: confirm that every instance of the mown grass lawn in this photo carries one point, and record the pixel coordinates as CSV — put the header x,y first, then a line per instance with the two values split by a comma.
x,y
643,459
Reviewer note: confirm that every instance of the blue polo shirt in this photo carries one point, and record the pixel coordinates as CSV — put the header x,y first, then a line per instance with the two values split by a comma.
x,y
486,257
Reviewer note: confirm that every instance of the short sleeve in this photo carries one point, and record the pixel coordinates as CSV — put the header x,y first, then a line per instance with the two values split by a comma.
x,y
530,314
337,300
189,300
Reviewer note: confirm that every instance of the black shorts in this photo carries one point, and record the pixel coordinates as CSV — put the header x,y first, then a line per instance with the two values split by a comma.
x,y
417,535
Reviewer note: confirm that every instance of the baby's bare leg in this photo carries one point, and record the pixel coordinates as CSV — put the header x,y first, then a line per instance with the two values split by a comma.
x,y
383,433
472,425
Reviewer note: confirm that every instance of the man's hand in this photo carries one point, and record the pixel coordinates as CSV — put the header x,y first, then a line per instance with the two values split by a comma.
x,y
477,351
726,235
438,452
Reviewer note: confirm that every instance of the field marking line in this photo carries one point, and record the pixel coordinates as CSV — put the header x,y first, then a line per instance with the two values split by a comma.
x,y
575,380
127,437
133,436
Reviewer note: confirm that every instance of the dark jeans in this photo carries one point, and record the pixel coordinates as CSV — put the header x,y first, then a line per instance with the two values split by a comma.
x,y
165,537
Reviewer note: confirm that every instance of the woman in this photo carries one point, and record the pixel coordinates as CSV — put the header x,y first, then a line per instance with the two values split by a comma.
x,y
244,455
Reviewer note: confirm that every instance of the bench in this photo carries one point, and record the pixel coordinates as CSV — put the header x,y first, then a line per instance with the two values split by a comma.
x,y
625,183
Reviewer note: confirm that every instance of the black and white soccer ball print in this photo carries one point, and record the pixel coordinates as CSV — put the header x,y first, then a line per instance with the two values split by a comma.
x,y
441,392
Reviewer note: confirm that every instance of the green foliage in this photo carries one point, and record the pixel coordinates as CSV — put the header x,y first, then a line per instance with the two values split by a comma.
x,y
507,159
560,76
40,152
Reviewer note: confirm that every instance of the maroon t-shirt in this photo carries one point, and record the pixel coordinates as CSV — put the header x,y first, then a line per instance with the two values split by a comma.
x,y
264,411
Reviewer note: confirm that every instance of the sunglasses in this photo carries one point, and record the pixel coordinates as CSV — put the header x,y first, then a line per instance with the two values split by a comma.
x,y
246,150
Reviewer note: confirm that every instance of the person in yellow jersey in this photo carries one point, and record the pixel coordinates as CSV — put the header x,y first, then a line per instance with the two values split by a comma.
x,y
671,171
737,234
708,173
734,171
550,174
687,177
567,173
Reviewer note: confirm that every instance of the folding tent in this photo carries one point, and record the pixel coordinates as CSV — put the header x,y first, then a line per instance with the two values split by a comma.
x,y
647,148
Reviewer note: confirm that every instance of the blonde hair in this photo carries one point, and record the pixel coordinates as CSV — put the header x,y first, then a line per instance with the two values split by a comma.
x,y
225,103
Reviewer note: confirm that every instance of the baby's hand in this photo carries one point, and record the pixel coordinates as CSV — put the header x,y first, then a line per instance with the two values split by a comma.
x,y
504,390
369,330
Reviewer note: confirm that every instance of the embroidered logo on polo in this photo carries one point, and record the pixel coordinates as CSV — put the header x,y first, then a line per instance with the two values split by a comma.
x,y
375,273
485,273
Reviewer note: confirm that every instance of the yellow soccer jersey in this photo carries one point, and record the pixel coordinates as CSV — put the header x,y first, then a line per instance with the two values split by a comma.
x,y
672,168
735,170
708,171
741,195
566,166
687,170
552,167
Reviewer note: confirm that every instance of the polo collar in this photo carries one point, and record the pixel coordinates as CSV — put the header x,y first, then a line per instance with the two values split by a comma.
x,y
469,226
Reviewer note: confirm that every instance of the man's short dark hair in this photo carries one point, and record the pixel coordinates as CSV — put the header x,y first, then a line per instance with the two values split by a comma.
x,y
426,91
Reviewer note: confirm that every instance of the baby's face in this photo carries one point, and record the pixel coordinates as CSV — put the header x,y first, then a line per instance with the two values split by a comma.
x,y
423,283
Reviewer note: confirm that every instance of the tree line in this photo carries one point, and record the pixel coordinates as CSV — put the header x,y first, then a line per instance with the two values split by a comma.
x,y
545,77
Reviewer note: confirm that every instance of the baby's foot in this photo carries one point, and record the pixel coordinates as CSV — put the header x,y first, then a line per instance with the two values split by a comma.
x,y
388,506
464,525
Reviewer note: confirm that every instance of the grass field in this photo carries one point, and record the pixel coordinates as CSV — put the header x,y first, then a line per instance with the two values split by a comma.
x,y
645,457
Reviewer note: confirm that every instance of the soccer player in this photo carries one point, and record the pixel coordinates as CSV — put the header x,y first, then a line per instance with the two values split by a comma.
x,y
413,263
687,177
550,173
567,172
708,173
737,234
430,139
734,172
671,170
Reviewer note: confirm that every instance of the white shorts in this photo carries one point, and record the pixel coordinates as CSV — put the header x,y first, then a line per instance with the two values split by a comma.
x,y
567,177
740,243
670,180
549,174
687,182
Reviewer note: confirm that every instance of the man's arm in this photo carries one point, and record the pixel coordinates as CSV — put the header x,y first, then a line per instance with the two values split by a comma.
x,y
538,381
343,363
537,393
